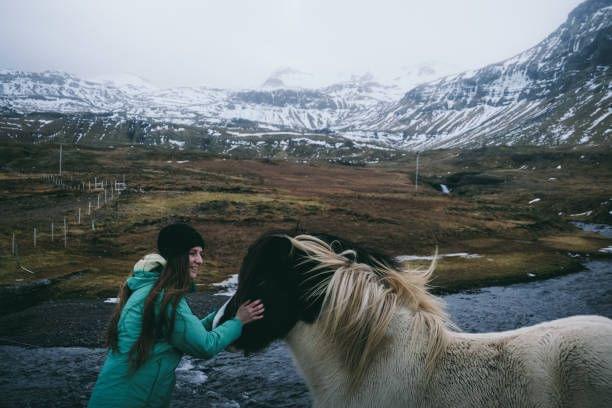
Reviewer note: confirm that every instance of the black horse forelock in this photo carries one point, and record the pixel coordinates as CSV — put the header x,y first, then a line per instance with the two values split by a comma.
x,y
278,274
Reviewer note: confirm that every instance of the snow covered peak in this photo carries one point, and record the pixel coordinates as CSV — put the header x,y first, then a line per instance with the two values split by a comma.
x,y
290,78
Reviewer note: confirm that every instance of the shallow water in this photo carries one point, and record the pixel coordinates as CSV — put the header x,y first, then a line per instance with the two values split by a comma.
x,y
603,229
63,376
508,307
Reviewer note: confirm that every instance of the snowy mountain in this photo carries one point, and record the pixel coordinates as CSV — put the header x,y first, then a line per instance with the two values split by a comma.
x,y
556,92
54,91
559,91
297,108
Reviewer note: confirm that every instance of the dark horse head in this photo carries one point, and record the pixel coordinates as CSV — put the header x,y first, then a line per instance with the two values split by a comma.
x,y
282,276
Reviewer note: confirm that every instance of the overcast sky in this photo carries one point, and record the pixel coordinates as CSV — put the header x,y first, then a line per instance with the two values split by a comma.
x,y
239,43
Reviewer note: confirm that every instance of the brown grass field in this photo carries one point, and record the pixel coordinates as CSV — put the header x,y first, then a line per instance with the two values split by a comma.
x,y
233,201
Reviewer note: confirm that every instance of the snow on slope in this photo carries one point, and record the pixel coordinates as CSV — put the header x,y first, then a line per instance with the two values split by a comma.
x,y
556,92
298,108
548,94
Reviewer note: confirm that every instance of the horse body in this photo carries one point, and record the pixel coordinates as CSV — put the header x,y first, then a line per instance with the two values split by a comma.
x,y
562,363
365,332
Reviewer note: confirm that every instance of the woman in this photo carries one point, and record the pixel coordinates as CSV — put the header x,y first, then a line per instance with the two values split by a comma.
x,y
152,326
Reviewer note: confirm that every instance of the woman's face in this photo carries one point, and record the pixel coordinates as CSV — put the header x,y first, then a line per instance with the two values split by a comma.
x,y
195,260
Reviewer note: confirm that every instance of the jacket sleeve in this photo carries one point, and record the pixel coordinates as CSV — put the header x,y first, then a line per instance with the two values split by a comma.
x,y
208,320
192,338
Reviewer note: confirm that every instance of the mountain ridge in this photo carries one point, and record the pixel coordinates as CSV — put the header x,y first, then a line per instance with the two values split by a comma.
x,y
525,91
556,92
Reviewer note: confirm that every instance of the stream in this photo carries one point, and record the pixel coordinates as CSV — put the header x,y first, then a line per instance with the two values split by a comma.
x,y
64,376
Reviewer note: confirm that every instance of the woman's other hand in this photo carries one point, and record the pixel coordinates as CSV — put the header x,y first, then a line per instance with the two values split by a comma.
x,y
250,311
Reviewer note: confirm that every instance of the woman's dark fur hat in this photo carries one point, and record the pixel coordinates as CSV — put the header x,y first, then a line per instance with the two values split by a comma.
x,y
177,239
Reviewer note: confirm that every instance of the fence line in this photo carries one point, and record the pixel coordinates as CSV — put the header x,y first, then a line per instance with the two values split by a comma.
x,y
100,186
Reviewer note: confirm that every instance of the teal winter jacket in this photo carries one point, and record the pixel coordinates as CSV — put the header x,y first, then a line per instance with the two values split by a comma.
x,y
152,384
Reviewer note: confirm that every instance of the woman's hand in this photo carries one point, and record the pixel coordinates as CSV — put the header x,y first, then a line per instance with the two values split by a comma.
x,y
250,311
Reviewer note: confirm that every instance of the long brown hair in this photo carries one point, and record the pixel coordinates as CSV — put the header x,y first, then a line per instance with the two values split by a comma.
x,y
174,282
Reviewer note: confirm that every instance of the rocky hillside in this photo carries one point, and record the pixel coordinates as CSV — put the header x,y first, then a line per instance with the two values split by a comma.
x,y
556,92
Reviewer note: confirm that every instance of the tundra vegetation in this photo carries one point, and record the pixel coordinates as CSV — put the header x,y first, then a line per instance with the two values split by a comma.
x,y
492,209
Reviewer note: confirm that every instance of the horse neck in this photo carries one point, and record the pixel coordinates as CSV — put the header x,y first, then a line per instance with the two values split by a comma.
x,y
328,379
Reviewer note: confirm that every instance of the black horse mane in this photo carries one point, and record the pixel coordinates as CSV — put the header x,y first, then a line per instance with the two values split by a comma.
x,y
278,274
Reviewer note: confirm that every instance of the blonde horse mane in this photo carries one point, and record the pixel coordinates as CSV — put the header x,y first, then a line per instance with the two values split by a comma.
x,y
359,301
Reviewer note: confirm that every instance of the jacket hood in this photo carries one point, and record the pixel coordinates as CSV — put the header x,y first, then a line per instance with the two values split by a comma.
x,y
146,271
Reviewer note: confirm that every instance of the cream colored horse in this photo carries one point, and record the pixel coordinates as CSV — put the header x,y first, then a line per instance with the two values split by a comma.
x,y
420,361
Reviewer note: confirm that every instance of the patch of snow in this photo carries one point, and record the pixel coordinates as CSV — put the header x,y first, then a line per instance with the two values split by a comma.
x,y
586,214
535,200
112,300
178,143
186,373
229,286
403,258
598,120
271,133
